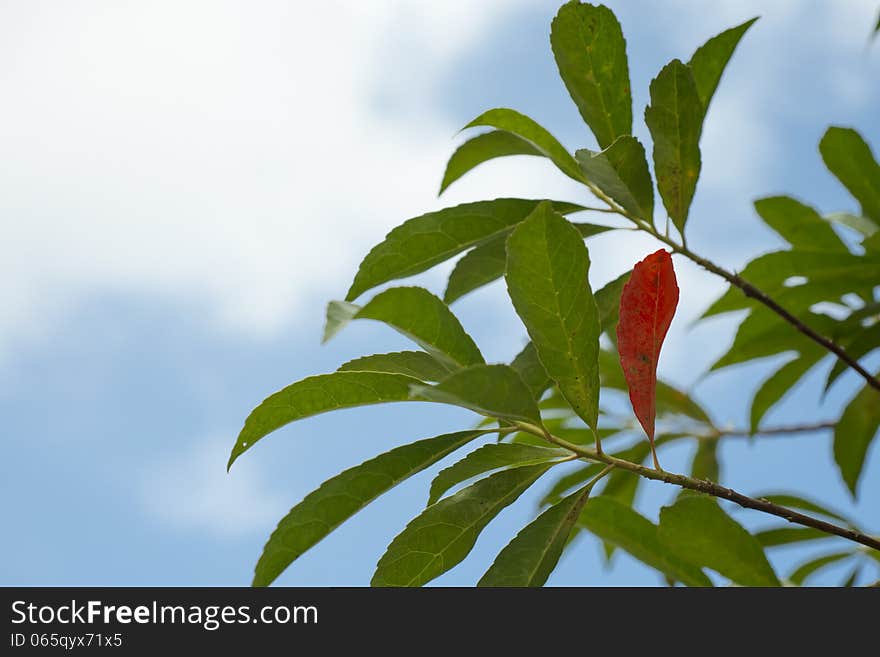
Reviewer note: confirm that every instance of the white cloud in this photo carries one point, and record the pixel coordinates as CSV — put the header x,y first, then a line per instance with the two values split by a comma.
x,y
234,154
228,152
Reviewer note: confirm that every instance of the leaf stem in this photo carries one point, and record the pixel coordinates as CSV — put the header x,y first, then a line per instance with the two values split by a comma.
x,y
707,487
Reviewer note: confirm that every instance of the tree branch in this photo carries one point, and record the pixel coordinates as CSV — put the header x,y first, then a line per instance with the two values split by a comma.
x,y
748,289
754,293
708,487
771,431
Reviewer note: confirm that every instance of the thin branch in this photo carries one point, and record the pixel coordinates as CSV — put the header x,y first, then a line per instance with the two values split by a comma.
x,y
716,434
748,289
771,431
708,487
752,292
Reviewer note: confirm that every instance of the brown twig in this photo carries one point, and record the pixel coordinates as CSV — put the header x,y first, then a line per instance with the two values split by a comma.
x,y
708,487
771,431
748,289
754,293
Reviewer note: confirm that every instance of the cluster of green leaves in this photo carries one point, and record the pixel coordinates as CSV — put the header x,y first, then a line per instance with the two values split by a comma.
x,y
829,284
828,279
553,385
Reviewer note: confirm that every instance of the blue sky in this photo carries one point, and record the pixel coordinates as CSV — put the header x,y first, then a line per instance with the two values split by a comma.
x,y
186,185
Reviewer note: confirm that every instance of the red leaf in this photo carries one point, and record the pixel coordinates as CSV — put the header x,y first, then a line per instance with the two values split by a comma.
x,y
647,306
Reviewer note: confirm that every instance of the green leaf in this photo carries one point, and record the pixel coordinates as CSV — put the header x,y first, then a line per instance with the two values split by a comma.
x,y
854,433
479,266
488,458
872,244
445,533
798,502
622,486
675,119
488,146
619,525
698,530
547,268
778,536
486,263
526,128
704,464
850,581
416,364
420,316
859,346
671,400
777,385
492,390
808,568
798,224
710,60
529,367
532,555
848,156
764,333
339,498
621,171
319,394
590,52
420,243
608,303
